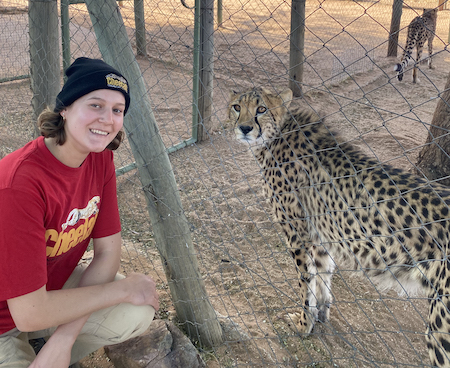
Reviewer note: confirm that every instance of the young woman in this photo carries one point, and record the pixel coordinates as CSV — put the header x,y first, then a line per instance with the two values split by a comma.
x,y
56,194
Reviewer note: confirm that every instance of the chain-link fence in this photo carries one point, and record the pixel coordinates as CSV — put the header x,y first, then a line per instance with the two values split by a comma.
x,y
249,275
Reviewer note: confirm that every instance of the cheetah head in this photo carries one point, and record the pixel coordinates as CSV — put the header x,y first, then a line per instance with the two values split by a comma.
x,y
257,114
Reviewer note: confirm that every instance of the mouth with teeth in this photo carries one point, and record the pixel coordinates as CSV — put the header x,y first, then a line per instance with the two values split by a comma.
x,y
99,132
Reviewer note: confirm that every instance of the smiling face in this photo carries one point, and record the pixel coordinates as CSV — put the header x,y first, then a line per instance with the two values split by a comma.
x,y
91,123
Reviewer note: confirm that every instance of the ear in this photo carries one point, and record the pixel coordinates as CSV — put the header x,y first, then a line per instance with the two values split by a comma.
x,y
286,96
233,94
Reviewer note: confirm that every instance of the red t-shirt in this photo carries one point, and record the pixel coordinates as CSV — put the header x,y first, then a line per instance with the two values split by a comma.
x,y
48,214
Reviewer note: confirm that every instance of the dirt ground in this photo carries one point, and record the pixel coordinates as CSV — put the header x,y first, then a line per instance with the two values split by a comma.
x,y
248,274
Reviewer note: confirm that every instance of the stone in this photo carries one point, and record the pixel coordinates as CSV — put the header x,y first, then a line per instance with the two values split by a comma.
x,y
163,346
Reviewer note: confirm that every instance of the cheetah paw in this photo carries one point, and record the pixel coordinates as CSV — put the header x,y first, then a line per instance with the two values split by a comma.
x,y
299,322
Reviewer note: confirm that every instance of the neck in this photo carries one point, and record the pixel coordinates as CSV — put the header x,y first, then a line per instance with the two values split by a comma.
x,y
63,155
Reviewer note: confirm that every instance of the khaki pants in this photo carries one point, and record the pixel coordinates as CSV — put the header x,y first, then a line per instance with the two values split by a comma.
x,y
105,327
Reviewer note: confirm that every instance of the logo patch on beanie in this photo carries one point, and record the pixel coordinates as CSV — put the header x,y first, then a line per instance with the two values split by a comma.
x,y
115,81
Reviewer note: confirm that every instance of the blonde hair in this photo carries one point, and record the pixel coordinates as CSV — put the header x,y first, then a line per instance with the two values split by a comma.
x,y
51,125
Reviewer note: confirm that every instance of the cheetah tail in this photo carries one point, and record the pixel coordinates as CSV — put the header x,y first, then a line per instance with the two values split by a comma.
x,y
399,69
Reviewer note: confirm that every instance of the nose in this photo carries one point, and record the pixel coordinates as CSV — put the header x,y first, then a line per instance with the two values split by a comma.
x,y
106,116
245,129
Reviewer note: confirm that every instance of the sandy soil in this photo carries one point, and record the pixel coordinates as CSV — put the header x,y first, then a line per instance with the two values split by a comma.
x,y
249,276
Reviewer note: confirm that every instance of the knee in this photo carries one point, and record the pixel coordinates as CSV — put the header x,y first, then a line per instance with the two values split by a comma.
x,y
142,318
138,320
123,322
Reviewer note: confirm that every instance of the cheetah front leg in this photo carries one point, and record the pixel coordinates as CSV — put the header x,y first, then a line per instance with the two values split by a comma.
x,y
438,338
325,267
314,269
303,320
418,56
430,51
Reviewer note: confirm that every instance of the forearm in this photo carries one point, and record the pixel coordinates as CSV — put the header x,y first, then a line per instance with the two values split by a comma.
x,y
106,261
101,270
62,306
43,309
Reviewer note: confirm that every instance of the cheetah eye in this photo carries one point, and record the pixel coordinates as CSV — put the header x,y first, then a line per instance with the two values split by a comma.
x,y
261,110
237,108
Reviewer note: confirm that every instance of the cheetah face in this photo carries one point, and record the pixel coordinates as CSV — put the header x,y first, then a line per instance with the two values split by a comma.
x,y
257,114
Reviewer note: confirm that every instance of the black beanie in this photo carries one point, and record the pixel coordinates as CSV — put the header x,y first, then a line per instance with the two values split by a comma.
x,y
86,75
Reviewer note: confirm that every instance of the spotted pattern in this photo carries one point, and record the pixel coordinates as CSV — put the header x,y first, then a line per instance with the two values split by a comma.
x,y
335,205
421,29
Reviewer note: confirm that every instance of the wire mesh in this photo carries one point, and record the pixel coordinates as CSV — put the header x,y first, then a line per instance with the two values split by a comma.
x,y
249,275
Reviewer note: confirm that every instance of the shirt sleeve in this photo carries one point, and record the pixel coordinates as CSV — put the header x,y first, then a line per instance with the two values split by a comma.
x,y
108,220
23,262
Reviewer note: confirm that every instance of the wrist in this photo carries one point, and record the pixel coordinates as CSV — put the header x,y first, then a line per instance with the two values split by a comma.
x,y
63,337
122,290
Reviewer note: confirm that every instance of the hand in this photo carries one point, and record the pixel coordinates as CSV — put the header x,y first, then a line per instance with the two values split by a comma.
x,y
55,353
142,290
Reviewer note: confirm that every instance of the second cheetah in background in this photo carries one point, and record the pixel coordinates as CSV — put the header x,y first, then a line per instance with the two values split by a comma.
x,y
421,29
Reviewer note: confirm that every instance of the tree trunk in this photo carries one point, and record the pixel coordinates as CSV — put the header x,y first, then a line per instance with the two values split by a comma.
x,y
434,159
170,226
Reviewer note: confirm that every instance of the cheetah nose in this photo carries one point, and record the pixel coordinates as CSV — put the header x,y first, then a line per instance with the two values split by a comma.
x,y
245,129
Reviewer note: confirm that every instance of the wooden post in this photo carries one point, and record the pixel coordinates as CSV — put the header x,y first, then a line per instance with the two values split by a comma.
x,y
65,34
44,54
219,12
170,227
397,9
206,68
139,20
448,39
297,47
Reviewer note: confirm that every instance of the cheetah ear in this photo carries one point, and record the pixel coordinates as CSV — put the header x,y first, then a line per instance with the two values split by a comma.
x,y
233,94
286,96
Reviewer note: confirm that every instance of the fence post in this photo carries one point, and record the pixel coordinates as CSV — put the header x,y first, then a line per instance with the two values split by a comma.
x,y
139,20
170,227
206,68
219,12
397,9
44,54
297,46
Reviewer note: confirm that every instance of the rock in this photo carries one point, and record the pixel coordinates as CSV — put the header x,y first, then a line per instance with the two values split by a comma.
x,y
163,346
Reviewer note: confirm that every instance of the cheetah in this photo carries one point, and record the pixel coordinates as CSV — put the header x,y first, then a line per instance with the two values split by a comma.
x,y
421,29
335,205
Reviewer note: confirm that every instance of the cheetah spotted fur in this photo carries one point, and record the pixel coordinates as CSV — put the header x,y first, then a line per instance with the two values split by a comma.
x,y
334,203
421,29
